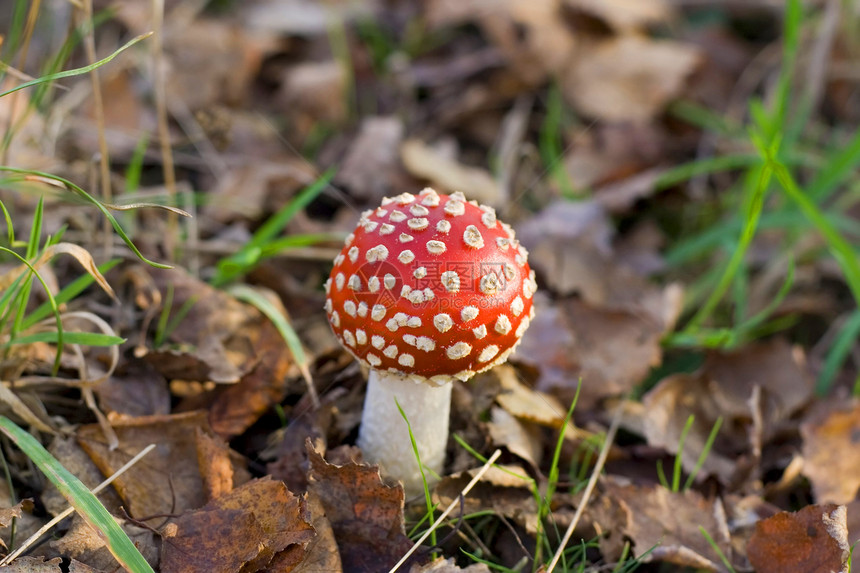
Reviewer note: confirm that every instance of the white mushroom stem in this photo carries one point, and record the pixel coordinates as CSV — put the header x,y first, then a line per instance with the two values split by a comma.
x,y
384,437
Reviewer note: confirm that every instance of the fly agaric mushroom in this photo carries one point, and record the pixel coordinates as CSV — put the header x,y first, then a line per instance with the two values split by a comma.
x,y
427,289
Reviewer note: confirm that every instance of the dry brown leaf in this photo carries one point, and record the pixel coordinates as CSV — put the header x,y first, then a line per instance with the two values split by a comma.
x,y
365,514
87,545
442,565
447,175
216,468
519,438
660,521
627,78
168,479
831,456
812,540
321,554
34,565
246,339
240,531
135,389
10,514
624,15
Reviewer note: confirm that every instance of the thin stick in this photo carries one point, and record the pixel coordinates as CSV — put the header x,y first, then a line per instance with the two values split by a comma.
x,y
163,129
98,111
454,504
598,467
70,510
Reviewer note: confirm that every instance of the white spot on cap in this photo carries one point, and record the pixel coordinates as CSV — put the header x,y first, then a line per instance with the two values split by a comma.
x,y
489,216
380,212
368,225
354,282
459,350
349,307
405,290
362,309
420,272
442,322
353,254
458,196
451,281
464,375
405,198
377,253
339,281
349,338
387,201
490,284
390,351
335,319
472,237
429,197
418,223
401,318
517,306
455,207
397,216
373,284
469,313
327,285
389,281
510,271
377,312
503,243
488,353
377,341
428,293
406,360
405,238
419,210
349,239
338,260
414,322
443,226
503,324
386,229
521,260
410,339
373,359
509,231
360,336
529,286
392,325
435,247
480,331
521,329
425,343
416,296
328,306
406,257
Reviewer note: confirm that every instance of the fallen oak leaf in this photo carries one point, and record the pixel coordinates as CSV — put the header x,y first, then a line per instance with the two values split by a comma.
x,y
365,514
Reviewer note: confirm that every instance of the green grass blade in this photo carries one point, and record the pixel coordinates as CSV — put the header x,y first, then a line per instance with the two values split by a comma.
x,y
676,473
96,203
285,329
85,503
233,266
706,449
838,352
82,338
77,71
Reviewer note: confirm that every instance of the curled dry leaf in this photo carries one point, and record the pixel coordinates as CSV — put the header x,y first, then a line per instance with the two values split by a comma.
x,y
624,15
79,253
831,456
370,168
365,514
812,540
441,565
627,78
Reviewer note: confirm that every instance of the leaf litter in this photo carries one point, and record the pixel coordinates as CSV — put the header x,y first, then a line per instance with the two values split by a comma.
x,y
564,115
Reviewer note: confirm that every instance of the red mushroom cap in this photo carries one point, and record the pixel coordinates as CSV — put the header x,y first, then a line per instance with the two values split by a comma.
x,y
431,286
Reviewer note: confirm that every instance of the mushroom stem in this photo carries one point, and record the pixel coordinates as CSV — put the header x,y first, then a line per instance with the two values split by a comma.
x,y
384,436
